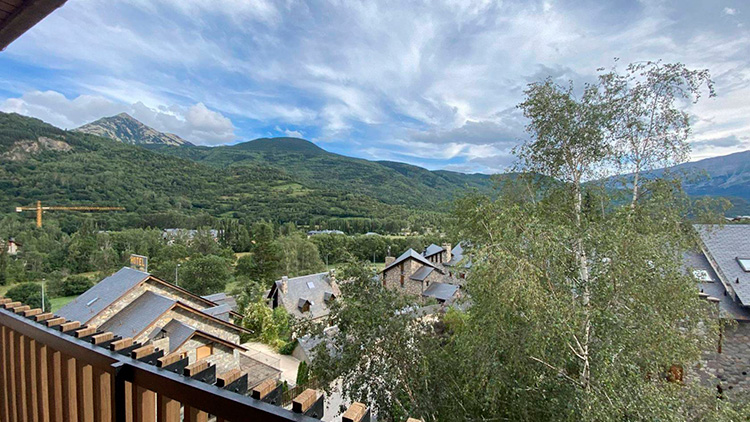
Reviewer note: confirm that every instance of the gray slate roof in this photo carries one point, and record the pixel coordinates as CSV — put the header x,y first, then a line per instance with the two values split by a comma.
x,y
457,254
723,245
441,291
432,250
727,306
102,295
421,273
138,315
298,290
177,333
411,253
221,299
221,311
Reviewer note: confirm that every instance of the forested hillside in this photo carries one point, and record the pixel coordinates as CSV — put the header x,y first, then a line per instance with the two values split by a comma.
x,y
388,182
41,162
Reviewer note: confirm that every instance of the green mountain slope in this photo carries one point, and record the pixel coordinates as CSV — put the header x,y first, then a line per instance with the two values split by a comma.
x,y
388,182
41,162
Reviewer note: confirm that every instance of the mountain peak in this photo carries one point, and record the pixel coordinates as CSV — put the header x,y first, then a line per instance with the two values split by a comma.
x,y
127,129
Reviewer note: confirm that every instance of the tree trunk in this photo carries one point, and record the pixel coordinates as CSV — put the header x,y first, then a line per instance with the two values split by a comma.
x,y
636,181
583,267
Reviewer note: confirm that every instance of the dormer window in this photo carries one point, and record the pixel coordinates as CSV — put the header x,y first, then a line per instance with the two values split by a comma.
x,y
744,263
703,276
328,297
304,305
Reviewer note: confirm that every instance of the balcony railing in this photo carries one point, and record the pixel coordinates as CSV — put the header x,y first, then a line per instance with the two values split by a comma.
x,y
58,371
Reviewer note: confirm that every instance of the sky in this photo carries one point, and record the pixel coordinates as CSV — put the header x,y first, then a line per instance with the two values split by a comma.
x,y
432,83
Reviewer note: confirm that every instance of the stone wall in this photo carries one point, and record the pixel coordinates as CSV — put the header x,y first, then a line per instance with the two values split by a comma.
x,y
392,278
731,368
223,357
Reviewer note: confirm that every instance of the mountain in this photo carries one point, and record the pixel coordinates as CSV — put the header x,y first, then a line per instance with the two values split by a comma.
x,y
128,130
388,182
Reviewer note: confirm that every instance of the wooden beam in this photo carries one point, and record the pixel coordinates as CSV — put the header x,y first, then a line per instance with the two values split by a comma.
x,y
26,15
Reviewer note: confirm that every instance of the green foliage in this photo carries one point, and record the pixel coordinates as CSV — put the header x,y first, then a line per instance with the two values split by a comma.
x,y
205,275
288,347
299,256
269,326
303,375
28,294
69,286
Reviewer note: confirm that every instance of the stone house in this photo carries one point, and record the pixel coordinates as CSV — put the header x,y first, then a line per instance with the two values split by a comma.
x,y
421,275
132,303
307,296
722,270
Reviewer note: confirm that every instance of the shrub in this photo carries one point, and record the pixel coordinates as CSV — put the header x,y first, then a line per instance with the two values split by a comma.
x,y
29,294
288,347
303,374
70,286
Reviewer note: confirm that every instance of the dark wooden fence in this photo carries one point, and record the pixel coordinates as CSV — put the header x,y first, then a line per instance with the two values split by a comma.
x,y
53,370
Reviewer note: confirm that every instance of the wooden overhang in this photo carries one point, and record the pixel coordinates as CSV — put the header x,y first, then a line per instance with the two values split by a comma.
x,y
18,16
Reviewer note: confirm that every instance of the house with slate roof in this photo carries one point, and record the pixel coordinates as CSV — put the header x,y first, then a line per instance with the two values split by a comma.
x,y
424,275
721,269
132,303
308,296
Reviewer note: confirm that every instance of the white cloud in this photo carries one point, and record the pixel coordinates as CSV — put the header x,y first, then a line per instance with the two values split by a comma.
x,y
730,11
195,123
290,133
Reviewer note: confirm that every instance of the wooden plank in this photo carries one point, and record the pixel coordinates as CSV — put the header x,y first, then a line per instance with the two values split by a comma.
x,y
69,326
129,402
21,309
31,380
261,390
10,341
85,332
301,403
195,368
31,312
9,305
354,413
195,415
168,360
69,395
144,405
4,300
121,344
228,377
143,351
42,393
43,317
54,322
20,362
54,375
101,338
168,410
4,405
102,393
85,392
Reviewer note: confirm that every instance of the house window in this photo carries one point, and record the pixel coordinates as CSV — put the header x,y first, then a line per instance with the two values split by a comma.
x,y
402,279
204,351
744,263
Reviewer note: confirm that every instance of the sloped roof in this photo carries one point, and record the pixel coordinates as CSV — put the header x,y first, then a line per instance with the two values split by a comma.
x,y
410,254
221,311
441,291
102,295
221,299
432,250
421,273
723,245
728,308
457,255
179,333
312,288
138,315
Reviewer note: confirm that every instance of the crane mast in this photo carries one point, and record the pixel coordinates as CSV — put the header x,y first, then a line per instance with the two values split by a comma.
x,y
40,209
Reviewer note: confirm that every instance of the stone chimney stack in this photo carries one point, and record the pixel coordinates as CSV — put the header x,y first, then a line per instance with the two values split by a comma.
x,y
332,279
389,260
447,247
284,284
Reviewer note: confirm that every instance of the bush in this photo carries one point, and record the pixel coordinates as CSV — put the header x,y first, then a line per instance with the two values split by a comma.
x,y
70,286
29,294
288,347
303,374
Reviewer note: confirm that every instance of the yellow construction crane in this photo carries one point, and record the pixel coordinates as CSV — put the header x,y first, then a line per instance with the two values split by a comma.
x,y
39,209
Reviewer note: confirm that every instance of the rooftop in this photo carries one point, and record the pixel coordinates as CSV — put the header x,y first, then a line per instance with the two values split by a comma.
x,y
725,247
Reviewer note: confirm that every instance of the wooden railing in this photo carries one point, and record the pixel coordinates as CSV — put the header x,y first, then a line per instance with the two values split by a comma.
x,y
53,370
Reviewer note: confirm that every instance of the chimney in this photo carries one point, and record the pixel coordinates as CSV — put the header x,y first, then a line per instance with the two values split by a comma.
x,y
284,283
447,247
389,260
332,279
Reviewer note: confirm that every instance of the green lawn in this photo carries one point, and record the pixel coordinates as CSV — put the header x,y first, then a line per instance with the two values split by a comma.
x,y
59,302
